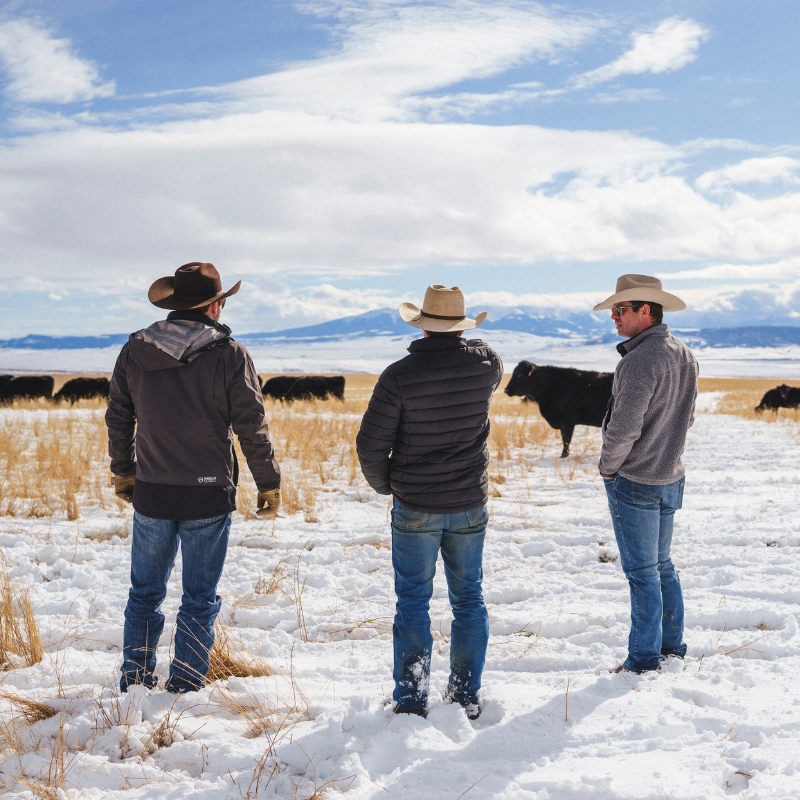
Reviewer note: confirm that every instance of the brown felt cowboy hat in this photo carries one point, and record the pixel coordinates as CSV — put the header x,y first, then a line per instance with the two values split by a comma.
x,y
442,310
195,285
642,289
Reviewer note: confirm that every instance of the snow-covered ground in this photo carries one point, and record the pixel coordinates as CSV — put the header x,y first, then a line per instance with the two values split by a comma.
x,y
373,354
556,724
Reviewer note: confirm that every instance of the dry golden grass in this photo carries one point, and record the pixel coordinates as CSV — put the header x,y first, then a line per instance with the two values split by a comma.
x,y
742,395
27,710
230,658
52,463
20,643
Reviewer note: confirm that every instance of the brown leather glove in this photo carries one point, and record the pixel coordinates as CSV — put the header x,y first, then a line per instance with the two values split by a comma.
x,y
123,487
272,501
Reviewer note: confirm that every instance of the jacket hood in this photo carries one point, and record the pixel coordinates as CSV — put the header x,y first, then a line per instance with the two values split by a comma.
x,y
172,343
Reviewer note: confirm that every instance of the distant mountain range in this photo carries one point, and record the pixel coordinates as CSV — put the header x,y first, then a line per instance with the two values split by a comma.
x,y
582,329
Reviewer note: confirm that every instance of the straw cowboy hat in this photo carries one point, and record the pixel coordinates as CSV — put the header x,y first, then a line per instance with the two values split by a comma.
x,y
443,310
195,285
641,289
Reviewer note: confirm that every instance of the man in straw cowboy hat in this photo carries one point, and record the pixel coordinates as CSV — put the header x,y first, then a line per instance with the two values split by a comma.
x,y
650,411
423,440
181,389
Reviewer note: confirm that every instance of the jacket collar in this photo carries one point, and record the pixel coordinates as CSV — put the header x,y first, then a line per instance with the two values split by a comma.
x,y
654,331
197,316
436,343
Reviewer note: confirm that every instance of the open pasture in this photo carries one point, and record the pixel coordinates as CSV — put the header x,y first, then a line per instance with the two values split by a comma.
x,y
296,704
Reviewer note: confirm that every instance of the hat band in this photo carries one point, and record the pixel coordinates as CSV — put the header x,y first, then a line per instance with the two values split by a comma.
x,y
437,316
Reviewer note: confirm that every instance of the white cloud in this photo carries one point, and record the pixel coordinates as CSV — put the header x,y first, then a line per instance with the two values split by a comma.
x,y
669,47
44,69
753,170
389,52
785,269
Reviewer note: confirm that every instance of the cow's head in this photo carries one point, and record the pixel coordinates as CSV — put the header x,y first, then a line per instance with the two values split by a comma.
x,y
522,380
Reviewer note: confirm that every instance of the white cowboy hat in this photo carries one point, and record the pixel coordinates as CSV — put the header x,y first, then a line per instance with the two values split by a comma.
x,y
443,310
642,289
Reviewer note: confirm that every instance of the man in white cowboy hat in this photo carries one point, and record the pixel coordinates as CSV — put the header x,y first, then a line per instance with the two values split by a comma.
x,y
423,440
181,389
644,432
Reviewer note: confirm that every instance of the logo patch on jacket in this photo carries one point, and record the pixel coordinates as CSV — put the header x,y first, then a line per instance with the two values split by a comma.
x,y
207,480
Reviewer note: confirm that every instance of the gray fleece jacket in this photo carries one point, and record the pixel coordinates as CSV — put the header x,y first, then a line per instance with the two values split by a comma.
x,y
651,408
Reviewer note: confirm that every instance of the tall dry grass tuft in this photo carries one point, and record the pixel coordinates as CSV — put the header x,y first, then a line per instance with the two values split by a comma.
x,y
230,658
27,710
517,427
20,642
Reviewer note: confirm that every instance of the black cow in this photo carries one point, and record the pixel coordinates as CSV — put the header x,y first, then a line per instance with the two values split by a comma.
x,y
780,397
4,379
567,397
27,387
288,387
82,389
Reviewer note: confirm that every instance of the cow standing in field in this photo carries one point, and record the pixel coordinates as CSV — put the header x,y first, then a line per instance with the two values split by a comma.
x,y
288,388
82,389
780,397
566,397
27,387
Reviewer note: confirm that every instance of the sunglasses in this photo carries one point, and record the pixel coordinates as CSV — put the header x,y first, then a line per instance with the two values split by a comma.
x,y
620,310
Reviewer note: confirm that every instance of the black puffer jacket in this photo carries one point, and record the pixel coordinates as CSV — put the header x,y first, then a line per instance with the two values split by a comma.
x,y
423,437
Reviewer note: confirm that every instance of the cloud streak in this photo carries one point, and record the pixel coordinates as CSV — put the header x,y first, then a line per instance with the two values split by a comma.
x,y
669,47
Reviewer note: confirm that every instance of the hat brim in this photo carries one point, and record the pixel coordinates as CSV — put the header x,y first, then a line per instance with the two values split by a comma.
x,y
669,302
412,316
162,295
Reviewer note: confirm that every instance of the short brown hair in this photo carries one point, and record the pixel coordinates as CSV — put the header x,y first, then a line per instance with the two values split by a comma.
x,y
656,309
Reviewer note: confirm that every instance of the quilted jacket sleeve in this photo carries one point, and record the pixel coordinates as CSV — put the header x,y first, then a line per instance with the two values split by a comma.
x,y
376,437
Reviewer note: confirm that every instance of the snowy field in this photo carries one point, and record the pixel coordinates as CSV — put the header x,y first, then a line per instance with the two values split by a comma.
x,y
372,354
312,594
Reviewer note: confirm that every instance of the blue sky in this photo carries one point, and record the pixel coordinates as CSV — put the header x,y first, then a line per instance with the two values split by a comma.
x,y
339,156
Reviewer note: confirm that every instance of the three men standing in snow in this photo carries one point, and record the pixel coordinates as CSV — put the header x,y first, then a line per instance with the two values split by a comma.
x,y
182,387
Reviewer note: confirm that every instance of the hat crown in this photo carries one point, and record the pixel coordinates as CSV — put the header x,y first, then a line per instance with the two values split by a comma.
x,y
443,303
197,280
625,282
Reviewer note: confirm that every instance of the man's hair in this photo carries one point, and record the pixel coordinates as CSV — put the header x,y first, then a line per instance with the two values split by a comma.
x,y
656,310
203,309
443,334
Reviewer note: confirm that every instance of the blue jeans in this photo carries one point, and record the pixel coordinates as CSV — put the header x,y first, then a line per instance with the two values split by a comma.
x,y
204,543
643,515
416,540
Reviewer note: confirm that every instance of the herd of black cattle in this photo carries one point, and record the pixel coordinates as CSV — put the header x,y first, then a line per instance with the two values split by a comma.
x,y
283,387
566,397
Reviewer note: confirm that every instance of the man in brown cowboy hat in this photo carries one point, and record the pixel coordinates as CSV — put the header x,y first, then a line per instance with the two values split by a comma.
x,y
181,389
650,411
423,440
